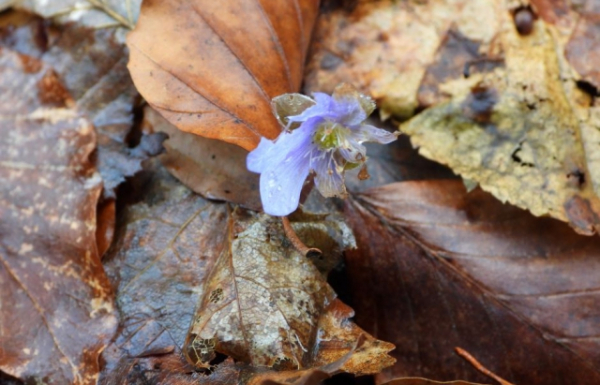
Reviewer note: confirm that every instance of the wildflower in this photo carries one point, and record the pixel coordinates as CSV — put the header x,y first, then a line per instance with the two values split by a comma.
x,y
325,136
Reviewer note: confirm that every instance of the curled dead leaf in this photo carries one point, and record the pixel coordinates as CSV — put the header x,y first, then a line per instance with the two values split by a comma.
x,y
212,68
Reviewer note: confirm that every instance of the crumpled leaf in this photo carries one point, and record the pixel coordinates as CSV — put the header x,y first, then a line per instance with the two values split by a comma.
x,y
170,241
90,13
57,308
524,132
454,269
583,48
212,168
265,304
212,68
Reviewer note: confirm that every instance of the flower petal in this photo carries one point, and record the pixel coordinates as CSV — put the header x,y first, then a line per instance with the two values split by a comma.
x,y
281,184
367,133
347,111
328,180
258,158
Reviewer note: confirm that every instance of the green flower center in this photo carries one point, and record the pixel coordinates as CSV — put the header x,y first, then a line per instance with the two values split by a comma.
x,y
330,135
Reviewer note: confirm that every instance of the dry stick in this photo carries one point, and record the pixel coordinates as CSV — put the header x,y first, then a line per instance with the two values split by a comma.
x,y
296,242
470,359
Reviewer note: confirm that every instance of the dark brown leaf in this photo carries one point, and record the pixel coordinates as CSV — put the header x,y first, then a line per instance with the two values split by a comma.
x,y
57,307
212,168
212,68
451,269
424,381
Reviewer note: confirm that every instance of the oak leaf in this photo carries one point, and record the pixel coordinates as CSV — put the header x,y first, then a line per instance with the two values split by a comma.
x,y
455,269
212,68
57,307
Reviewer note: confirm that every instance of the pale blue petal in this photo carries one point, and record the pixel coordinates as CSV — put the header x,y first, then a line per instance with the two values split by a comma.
x,y
347,111
328,180
367,133
281,184
259,158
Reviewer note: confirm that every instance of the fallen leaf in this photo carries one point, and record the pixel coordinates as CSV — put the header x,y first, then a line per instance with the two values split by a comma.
x,y
524,132
211,68
267,305
451,269
212,168
58,312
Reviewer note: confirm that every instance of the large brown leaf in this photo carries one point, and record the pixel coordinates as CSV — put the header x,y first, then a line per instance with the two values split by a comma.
x,y
451,269
57,307
211,68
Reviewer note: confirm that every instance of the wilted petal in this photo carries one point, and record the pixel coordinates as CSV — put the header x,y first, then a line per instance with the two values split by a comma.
x,y
321,109
353,151
367,133
281,184
328,180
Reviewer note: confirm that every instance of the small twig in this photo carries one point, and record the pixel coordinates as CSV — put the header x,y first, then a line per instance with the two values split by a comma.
x,y
477,365
296,242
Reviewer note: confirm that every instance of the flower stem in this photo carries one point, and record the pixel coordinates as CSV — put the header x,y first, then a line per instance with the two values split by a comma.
x,y
296,242
470,359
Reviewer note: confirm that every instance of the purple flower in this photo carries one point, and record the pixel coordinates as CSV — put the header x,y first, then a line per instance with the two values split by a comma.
x,y
327,141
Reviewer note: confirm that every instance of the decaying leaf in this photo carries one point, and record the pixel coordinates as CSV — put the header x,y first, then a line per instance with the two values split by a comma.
x,y
210,167
212,68
524,132
57,308
266,304
454,269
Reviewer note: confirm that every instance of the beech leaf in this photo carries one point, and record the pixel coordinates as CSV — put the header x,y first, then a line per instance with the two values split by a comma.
x,y
58,313
454,269
212,68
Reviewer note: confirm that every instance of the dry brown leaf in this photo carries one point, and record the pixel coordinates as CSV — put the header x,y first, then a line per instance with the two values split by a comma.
x,y
451,269
266,304
583,48
212,68
57,308
524,131
212,168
